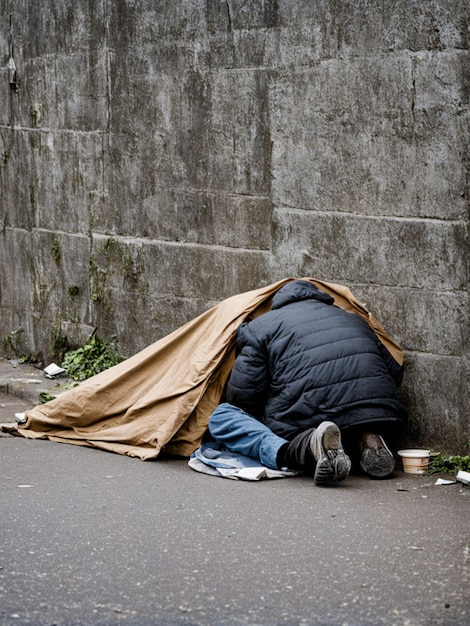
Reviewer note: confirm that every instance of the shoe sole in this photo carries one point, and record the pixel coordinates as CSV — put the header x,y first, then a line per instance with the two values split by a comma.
x,y
377,463
333,465
324,473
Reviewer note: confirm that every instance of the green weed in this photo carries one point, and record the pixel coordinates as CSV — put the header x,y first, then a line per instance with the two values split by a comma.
x,y
442,464
94,357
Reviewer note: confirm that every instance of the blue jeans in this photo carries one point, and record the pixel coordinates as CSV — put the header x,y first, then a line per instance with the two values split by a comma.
x,y
242,433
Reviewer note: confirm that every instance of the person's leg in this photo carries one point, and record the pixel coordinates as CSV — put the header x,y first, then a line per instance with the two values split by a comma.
x,y
316,450
241,432
319,452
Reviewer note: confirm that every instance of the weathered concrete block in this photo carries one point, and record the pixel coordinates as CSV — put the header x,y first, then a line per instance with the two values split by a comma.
x,y
183,270
137,273
356,249
240,148
61,270
429,321
150,21
230,108
435,390
18,179
441,134
35,192
19,334
45,275
40,300
228,16
16,277
333,125
62,92
8,96
176,142
139,319
439,81
66,196
349,119
370,27
207,218
58,26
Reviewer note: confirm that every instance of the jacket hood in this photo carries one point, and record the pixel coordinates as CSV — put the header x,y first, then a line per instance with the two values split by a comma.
x,y
299,290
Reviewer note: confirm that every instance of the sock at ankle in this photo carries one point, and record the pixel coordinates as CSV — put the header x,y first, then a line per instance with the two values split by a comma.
x,y
281,454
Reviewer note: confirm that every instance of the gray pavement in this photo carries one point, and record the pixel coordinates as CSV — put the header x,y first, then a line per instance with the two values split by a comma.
x,y
89,537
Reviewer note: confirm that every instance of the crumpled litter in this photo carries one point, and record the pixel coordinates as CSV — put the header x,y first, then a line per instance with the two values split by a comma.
x,y
463,477
214,459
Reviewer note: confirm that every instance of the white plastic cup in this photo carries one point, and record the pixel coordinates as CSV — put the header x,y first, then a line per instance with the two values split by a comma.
x,y
415,461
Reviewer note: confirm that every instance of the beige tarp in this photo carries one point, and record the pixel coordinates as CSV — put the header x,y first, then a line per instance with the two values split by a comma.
x,y
162,397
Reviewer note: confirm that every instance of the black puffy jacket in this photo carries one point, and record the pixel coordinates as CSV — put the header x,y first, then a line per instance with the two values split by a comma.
x,y
307,361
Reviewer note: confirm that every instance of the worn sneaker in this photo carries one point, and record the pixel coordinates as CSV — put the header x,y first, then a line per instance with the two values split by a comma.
x,y
333,465
376,459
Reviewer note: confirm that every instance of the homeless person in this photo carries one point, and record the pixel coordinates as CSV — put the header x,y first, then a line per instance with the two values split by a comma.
x,y
311,388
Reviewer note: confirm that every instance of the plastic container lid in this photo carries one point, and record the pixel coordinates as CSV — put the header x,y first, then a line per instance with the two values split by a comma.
x,y
414,453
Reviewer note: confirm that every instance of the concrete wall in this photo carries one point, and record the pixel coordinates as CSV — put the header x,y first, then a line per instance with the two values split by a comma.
x,y
157,157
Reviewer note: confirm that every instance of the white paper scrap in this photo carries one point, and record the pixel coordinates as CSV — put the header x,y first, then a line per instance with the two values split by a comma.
x,y
463,477
53,370
443,481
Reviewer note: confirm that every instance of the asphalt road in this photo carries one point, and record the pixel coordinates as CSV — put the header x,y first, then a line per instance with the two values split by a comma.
x,y
90,537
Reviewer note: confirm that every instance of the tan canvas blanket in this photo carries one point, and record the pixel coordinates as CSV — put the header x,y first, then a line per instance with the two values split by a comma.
x,y
161,398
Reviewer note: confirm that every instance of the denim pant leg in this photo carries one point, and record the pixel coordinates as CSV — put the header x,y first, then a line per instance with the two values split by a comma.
x,y
241,432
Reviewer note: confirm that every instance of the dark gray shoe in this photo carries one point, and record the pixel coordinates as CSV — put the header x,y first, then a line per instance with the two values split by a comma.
x,y
376,459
